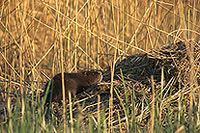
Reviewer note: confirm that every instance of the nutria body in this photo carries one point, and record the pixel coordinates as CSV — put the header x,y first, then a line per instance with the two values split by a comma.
x,y
73,82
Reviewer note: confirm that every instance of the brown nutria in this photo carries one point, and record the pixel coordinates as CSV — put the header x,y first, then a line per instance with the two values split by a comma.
x,y
74,82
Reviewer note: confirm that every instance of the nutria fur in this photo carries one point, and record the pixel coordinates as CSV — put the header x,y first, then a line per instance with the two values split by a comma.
x,y
74,82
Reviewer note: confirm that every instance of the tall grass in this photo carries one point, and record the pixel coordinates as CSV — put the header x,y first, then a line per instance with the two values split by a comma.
x,y
40,37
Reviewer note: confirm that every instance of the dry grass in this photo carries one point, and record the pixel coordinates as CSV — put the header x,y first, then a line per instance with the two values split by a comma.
x,y
40,38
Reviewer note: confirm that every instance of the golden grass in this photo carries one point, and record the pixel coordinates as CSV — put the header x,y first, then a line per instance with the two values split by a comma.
x,y
40,37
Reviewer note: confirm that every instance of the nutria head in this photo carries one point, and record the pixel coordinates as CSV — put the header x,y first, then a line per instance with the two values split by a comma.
x,y
87,78
74,82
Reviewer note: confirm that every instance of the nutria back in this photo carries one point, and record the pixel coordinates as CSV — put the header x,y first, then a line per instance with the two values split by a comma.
x,y
74,82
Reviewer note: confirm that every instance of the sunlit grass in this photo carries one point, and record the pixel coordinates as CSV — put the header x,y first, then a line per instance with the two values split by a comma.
x,y
40,38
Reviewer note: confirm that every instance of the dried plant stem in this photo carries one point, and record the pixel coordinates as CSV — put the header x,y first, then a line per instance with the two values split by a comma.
x,y
70,111
21,57
111,94
151,126
119,119
76,37
58,6
99,114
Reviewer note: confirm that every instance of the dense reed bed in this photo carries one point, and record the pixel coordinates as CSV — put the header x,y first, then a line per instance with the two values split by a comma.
x,y
148,52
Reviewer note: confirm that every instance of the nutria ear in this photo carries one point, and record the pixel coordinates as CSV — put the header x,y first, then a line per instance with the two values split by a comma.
x,y
84,72
88,73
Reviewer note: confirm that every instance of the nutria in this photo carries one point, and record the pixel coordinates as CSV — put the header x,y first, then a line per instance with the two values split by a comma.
x,y
74,82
